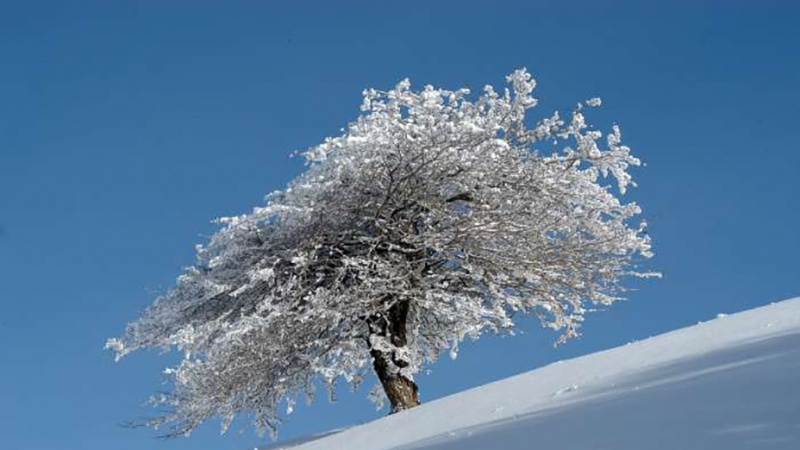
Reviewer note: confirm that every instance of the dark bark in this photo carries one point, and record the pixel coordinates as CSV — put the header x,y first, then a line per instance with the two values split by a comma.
x,y
401,391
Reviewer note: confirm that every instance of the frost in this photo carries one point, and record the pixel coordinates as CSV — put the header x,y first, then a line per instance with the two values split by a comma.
x,y
449,208
377,396
594,102
454,351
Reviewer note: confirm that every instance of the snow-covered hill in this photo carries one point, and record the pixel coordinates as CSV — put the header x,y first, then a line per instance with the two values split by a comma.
x,y
731,383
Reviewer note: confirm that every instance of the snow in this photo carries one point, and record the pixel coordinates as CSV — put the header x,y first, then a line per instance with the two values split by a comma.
x,y
729,383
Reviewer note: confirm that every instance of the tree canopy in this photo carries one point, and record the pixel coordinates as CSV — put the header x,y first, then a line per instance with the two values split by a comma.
x,y
436,216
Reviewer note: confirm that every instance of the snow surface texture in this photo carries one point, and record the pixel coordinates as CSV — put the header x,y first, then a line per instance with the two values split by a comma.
x,y
730,383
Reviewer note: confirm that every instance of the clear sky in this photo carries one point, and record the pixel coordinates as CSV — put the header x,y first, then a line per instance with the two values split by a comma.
x,y
125,127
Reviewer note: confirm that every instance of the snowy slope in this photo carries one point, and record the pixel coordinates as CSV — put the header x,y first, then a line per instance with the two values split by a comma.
x,y
731,384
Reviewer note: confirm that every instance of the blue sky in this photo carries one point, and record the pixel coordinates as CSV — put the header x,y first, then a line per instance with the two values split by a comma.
x,y
125,127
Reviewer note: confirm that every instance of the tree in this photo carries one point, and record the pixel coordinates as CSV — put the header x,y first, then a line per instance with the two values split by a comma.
x,y
433,218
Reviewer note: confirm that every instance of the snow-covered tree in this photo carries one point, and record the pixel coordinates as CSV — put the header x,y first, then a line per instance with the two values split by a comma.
x,y
434,217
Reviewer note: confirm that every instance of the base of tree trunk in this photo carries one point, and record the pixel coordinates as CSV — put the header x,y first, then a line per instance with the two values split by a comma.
x,y
402,393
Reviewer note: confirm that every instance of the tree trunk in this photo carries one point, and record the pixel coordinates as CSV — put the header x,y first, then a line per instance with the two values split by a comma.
x,y
401,391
